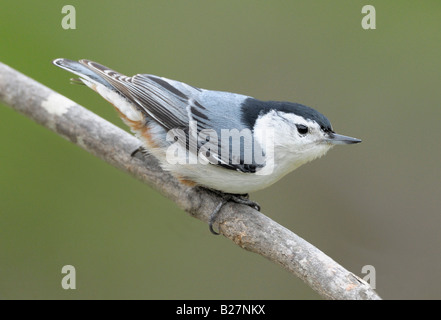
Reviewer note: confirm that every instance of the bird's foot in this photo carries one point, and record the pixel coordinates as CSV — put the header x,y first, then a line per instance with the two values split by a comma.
x,y
227,197
143,151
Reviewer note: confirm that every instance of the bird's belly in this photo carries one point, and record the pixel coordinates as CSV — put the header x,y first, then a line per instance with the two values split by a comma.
x,y
229,181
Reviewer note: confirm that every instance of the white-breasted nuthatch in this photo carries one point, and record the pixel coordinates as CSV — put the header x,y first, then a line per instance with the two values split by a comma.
x,y
222,141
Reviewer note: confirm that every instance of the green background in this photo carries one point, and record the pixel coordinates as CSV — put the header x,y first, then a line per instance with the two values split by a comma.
x,y
377,203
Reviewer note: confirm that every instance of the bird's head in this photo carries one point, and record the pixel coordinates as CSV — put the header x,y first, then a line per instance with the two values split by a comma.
x,y
300,134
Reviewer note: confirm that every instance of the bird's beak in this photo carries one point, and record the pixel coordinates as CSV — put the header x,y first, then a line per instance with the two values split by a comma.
x,y
334,138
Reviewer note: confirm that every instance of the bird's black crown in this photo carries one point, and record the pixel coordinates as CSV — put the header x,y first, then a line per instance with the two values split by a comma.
x,y
252,109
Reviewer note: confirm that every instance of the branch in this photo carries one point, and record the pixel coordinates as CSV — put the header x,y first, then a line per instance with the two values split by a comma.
x,y
247,227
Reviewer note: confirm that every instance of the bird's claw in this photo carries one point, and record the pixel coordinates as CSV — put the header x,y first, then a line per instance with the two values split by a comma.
x,y
227,197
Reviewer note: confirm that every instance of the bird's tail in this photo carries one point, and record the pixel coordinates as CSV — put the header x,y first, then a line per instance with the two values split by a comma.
x,y
82,69
99,78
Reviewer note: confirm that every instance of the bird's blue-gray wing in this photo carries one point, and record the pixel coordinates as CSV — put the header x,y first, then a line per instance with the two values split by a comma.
x,y
176,105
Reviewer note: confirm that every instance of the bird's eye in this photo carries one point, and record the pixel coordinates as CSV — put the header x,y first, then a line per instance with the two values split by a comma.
x,y
302,129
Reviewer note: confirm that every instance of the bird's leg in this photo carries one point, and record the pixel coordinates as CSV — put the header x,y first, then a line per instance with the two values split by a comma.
x,y
244,199
226,197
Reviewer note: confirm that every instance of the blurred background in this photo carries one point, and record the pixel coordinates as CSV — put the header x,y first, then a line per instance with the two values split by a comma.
x,y
377,203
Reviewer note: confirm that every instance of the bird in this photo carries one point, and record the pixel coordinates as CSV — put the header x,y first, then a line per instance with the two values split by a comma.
x,y
228,143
